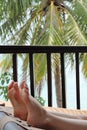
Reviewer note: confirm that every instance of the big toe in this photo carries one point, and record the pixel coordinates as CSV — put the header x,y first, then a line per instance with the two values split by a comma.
x,y
10,86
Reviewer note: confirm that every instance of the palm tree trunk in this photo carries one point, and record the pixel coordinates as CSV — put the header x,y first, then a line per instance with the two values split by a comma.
x,y
58,86
39,88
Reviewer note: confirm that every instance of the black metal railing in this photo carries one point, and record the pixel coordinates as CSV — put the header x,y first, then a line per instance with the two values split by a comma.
x,y
48,50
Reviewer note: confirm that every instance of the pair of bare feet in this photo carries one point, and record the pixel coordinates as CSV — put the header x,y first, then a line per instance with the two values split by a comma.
x,y
25,106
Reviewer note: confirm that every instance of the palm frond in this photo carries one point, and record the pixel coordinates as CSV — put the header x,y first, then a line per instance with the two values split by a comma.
x,y
14,15
77,23
5,63
40,67
73,34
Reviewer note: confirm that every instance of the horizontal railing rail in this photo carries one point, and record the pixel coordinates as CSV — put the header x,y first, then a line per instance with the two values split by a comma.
x,y
48,50
42,49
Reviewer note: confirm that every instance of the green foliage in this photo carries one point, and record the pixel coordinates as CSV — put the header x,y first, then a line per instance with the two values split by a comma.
x,y
40,100
5,78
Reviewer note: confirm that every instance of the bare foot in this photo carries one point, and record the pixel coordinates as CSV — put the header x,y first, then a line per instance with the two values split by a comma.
x,y
25,106
16,98
36,113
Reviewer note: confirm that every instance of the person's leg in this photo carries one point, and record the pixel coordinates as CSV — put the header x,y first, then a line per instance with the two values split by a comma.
x,y
39,117
67,115
62,123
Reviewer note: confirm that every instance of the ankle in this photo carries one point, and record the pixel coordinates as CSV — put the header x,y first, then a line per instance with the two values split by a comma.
x,y
46,120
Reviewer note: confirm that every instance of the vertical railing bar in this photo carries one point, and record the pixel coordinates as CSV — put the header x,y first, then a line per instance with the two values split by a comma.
x,y
14,60
49,75
31,74
77,80
63,80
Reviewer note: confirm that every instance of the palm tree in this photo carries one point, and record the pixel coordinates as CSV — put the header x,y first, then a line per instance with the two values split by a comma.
x,y
44,22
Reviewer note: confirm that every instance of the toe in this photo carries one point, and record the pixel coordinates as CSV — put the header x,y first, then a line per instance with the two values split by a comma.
x,y
11,85
22,84
16,86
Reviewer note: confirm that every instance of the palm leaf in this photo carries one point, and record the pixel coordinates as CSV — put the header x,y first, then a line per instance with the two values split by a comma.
x,y
77,23
5,63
